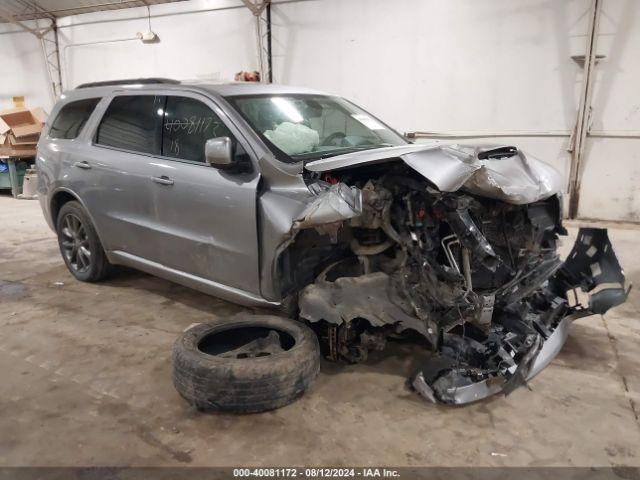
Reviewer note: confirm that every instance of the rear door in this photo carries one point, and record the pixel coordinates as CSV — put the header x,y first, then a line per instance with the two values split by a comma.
x,y
125,142
207,216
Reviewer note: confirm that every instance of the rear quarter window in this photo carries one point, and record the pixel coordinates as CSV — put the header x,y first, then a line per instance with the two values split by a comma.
x,y
71,118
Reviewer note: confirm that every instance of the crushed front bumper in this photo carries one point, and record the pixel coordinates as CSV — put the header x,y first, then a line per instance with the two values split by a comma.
x,y
591,267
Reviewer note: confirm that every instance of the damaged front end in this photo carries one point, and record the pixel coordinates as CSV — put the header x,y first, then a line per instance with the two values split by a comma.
x,y
525,334
473,268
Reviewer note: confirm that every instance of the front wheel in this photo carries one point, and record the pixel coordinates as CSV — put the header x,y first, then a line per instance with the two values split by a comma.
x,y
79,244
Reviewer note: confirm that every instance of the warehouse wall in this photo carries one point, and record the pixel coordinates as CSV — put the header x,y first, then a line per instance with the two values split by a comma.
x,y
461,66
452,66
480,66
611,174
22,68
203,40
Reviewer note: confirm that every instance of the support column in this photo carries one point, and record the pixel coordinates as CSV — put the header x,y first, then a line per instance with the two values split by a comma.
x,y
51,52
261,10
584,111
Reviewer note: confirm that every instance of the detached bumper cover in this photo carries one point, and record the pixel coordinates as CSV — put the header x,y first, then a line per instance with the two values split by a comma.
x,y
462,373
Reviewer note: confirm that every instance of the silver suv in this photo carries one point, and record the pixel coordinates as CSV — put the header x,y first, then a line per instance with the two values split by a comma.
x,y
270,195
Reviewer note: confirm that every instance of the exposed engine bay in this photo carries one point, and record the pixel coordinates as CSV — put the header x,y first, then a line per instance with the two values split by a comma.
x,y
383,251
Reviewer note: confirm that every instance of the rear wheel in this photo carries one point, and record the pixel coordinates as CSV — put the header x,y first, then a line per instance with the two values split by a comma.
x,y
79,244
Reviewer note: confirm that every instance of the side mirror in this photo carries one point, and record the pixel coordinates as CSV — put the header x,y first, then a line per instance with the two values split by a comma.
x,y
218,152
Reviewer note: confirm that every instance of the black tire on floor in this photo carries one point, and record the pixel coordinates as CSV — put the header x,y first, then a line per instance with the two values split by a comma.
x,y
245,385
99,267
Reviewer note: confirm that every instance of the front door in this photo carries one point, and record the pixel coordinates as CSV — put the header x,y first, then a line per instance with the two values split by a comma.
x,y
206,217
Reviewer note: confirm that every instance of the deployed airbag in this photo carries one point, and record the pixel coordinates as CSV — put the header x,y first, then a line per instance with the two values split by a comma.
x,y
293,138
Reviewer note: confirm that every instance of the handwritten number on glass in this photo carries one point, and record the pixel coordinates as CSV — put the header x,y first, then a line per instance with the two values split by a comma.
x,y
193,125
174,147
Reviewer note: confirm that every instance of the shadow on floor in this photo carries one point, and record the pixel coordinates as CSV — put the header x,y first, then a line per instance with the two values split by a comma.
x,y
174,293
402,357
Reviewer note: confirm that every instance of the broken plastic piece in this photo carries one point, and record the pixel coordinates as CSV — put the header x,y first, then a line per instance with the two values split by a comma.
x,y
593,266
468,370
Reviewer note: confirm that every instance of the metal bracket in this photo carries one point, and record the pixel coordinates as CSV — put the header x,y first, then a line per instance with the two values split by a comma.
x,y
257,6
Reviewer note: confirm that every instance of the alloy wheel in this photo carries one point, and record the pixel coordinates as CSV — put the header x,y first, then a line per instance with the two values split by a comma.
x,y
75,243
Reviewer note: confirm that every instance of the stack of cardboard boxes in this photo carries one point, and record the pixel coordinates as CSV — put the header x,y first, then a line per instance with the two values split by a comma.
x,y
20,130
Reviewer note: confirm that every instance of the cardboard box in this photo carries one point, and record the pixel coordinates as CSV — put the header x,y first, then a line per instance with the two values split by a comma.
x,y
26,140
4,128
20,130
21,121
18,102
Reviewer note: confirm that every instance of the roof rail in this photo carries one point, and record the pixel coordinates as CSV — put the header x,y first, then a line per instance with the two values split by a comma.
x,y
129,81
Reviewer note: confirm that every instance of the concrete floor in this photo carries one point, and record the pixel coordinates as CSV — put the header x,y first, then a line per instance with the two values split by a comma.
x,y
86,380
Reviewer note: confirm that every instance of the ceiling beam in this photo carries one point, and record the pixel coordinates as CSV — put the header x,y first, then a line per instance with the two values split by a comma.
x,y
37,7
97,7
11,19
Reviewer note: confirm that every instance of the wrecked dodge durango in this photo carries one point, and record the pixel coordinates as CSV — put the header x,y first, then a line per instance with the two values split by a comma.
x,y
277,196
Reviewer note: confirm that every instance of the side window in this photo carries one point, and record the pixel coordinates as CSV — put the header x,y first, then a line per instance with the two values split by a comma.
x,y
130,123
188,124
71,118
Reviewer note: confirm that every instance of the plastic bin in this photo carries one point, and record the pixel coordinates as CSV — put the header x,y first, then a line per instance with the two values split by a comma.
x,y
5,180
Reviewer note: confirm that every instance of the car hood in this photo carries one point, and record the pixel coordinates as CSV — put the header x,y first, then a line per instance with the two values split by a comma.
x,y
493,171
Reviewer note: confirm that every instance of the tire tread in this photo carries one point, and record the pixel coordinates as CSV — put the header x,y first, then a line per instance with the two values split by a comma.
x,y
245,385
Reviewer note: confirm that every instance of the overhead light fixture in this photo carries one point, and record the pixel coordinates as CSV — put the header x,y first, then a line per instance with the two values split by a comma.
x,y
149,36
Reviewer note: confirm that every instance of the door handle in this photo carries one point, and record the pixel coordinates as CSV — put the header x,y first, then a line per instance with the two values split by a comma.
x,y
84,165
163,180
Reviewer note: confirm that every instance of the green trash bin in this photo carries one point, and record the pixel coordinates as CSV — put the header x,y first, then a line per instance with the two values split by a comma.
x,y
5,179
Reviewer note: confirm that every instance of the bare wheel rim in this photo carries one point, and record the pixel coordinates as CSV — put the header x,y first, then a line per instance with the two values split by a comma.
x,y
246,342
75,243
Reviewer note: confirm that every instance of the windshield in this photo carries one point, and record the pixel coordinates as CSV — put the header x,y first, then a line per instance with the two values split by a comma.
x,y
309,127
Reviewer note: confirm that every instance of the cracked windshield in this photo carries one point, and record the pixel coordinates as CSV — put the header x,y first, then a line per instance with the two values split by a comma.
x,y
310,127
